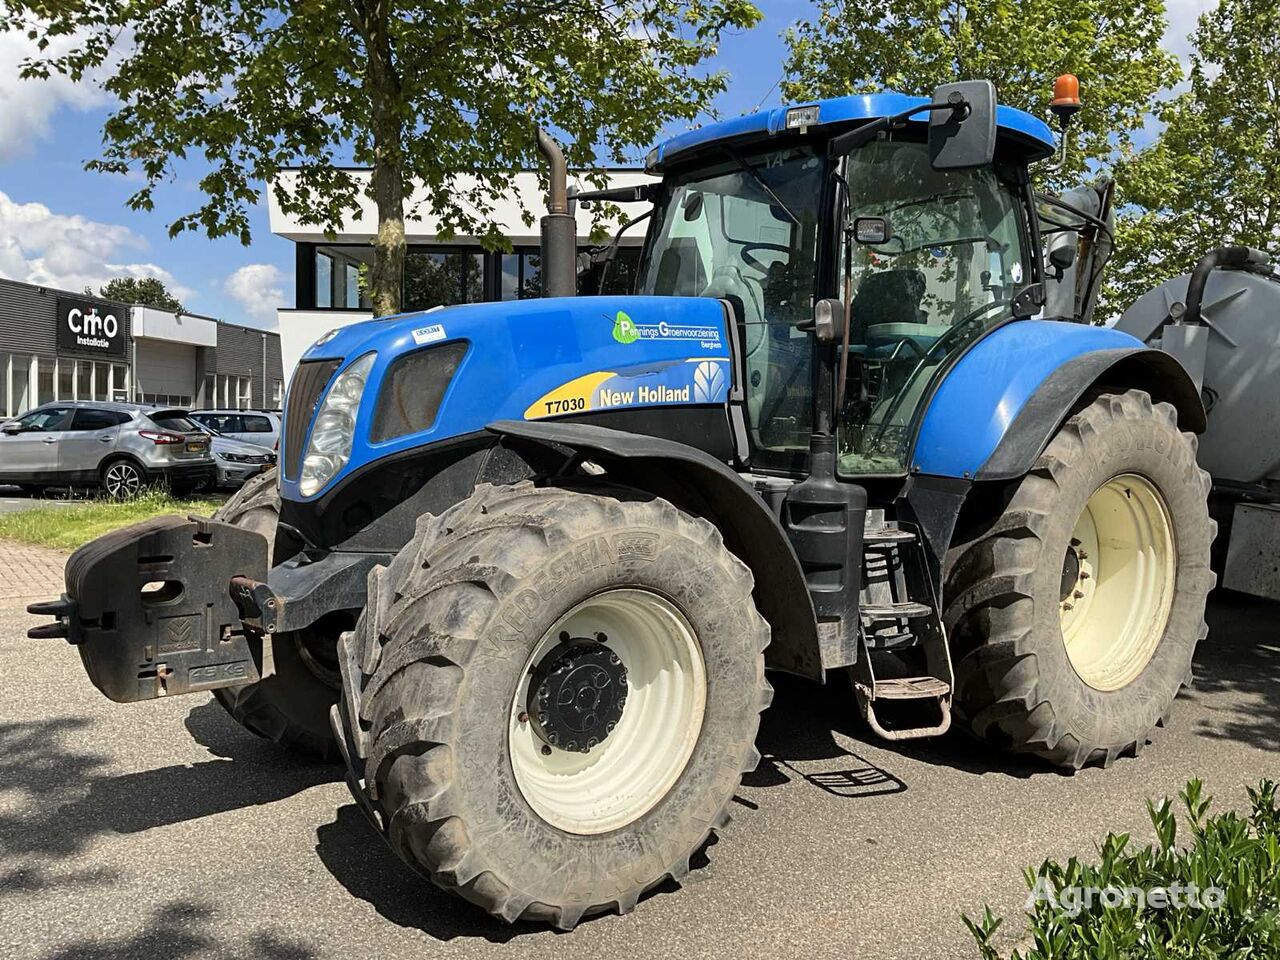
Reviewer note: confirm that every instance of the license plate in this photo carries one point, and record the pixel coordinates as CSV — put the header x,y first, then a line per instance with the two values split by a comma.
x,y
194,447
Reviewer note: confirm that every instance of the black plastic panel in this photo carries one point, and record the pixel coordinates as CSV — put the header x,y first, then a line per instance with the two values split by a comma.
x,y
412,390
305,391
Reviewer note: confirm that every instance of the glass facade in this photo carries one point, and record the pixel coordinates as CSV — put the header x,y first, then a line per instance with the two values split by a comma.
x,y
441,275
28,381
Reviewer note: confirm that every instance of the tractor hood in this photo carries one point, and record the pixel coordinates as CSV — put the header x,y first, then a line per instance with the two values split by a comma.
x,y
444,373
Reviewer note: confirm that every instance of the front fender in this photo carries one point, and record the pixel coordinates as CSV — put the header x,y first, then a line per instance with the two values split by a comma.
x,y
1002,402
700,484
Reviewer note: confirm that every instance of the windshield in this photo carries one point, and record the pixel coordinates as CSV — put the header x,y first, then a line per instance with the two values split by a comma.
x,y
952,263
746,229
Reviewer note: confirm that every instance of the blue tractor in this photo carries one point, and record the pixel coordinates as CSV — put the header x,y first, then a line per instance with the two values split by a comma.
x,y
525,565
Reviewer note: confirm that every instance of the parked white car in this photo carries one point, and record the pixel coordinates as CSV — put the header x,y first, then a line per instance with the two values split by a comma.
x,y
237,461
261,427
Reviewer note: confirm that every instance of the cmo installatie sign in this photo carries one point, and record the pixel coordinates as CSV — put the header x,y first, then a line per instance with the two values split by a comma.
x,y
88,327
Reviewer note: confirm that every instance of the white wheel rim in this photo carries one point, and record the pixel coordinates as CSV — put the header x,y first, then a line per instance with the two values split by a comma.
x,y
1114,615
634,767
122,479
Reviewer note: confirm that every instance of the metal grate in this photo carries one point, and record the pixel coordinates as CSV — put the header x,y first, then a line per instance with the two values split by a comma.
x,y
305,391
412,390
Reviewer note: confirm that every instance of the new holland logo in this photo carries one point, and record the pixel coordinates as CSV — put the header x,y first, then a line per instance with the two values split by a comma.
x,y
708,382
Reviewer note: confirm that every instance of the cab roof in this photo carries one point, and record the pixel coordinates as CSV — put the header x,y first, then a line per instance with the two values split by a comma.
x,y
1031,134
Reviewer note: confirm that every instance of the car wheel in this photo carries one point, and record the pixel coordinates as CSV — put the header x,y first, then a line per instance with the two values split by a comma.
x,y
122,479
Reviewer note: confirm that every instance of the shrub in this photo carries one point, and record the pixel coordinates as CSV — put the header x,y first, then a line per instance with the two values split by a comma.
x,y
1215,896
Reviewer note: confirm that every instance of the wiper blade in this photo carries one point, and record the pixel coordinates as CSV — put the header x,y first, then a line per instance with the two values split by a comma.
x,y
760,182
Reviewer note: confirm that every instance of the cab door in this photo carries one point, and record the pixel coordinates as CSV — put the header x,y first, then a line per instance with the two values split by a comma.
x,y
86,441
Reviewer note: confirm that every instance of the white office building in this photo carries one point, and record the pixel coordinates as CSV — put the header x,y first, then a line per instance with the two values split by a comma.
x,y
328,288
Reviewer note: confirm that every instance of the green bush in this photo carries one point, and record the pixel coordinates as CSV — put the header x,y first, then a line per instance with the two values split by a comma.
x,y
1149,909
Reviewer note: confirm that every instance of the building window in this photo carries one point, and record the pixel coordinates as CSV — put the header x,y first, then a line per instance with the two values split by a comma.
x,y
435,278
521,273
119,384
277,394
324,280
351,285
44,380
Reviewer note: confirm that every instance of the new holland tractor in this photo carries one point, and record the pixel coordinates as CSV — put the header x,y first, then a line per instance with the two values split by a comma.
x,y
525,564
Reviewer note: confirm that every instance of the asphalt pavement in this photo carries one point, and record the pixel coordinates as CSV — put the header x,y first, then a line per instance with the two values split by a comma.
x,y
163,830
13,500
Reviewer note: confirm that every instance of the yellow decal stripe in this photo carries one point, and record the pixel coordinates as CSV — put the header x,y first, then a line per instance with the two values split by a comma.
x,y
572,397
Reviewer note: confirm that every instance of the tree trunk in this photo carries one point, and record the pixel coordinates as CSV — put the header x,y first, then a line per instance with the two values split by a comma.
x,y
387,276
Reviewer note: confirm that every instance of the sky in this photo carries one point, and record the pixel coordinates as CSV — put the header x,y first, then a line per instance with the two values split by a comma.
x,y
63,227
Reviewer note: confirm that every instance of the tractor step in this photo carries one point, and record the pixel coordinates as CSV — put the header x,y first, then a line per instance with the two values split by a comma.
x,y
910,688
886,537
906,689
902,633
906,610
891,641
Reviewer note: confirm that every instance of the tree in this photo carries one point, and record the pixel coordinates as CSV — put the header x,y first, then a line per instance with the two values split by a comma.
x,y
1213,175
861,46
438,94
147,292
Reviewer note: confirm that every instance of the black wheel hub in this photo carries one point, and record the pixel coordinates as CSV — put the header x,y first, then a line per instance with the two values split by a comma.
x,y
577,695
1070,575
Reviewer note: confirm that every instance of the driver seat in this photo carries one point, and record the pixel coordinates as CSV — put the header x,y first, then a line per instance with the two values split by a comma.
x,y
887,298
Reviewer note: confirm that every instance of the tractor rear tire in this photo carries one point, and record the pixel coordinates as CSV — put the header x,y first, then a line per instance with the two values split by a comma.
x,y
291,707
448,741
1075,655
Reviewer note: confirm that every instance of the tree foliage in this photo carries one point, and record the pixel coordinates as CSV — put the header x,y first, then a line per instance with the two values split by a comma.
x,y
147,292
861,46
1213,175
438,94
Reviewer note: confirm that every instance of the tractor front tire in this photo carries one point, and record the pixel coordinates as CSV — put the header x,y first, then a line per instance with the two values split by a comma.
x,y
552,697
291,707
1074,614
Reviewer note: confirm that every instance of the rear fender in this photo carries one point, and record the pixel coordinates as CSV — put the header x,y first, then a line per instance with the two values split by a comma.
x,y
700,484
997,409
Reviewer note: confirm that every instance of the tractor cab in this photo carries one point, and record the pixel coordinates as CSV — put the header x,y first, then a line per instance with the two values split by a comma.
x,y
906,223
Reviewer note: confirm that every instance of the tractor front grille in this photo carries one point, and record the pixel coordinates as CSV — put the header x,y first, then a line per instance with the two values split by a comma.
x,y
305,390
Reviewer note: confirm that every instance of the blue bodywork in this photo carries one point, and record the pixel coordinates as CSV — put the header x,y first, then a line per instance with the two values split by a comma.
x,y
980,397
1033,133
536,359
532,359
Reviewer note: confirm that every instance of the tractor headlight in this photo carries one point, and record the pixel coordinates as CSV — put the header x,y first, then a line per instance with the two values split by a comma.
x,y
334,428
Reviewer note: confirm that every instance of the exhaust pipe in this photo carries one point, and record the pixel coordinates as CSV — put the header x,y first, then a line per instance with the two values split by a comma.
x,y
1225,258
559,233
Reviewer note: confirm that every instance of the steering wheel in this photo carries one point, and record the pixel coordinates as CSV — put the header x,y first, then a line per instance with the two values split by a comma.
x,y
944,340
755,264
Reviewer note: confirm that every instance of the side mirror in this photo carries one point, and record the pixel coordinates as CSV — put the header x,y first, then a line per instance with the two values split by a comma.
x,y
827,317
11,428
963,137
871,231
1061,258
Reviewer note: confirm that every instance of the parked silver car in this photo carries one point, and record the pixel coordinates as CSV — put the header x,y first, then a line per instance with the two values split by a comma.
x,y
237,461
252,426
120,446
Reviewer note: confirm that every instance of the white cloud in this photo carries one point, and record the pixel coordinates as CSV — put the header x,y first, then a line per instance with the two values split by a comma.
x,y
259,288
1183,15
71,252
27,107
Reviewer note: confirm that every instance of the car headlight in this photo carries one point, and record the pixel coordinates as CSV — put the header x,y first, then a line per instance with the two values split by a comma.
x,y
333,430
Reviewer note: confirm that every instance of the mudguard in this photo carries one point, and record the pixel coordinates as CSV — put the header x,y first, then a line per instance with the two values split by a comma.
x,y
697,482
1004,399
